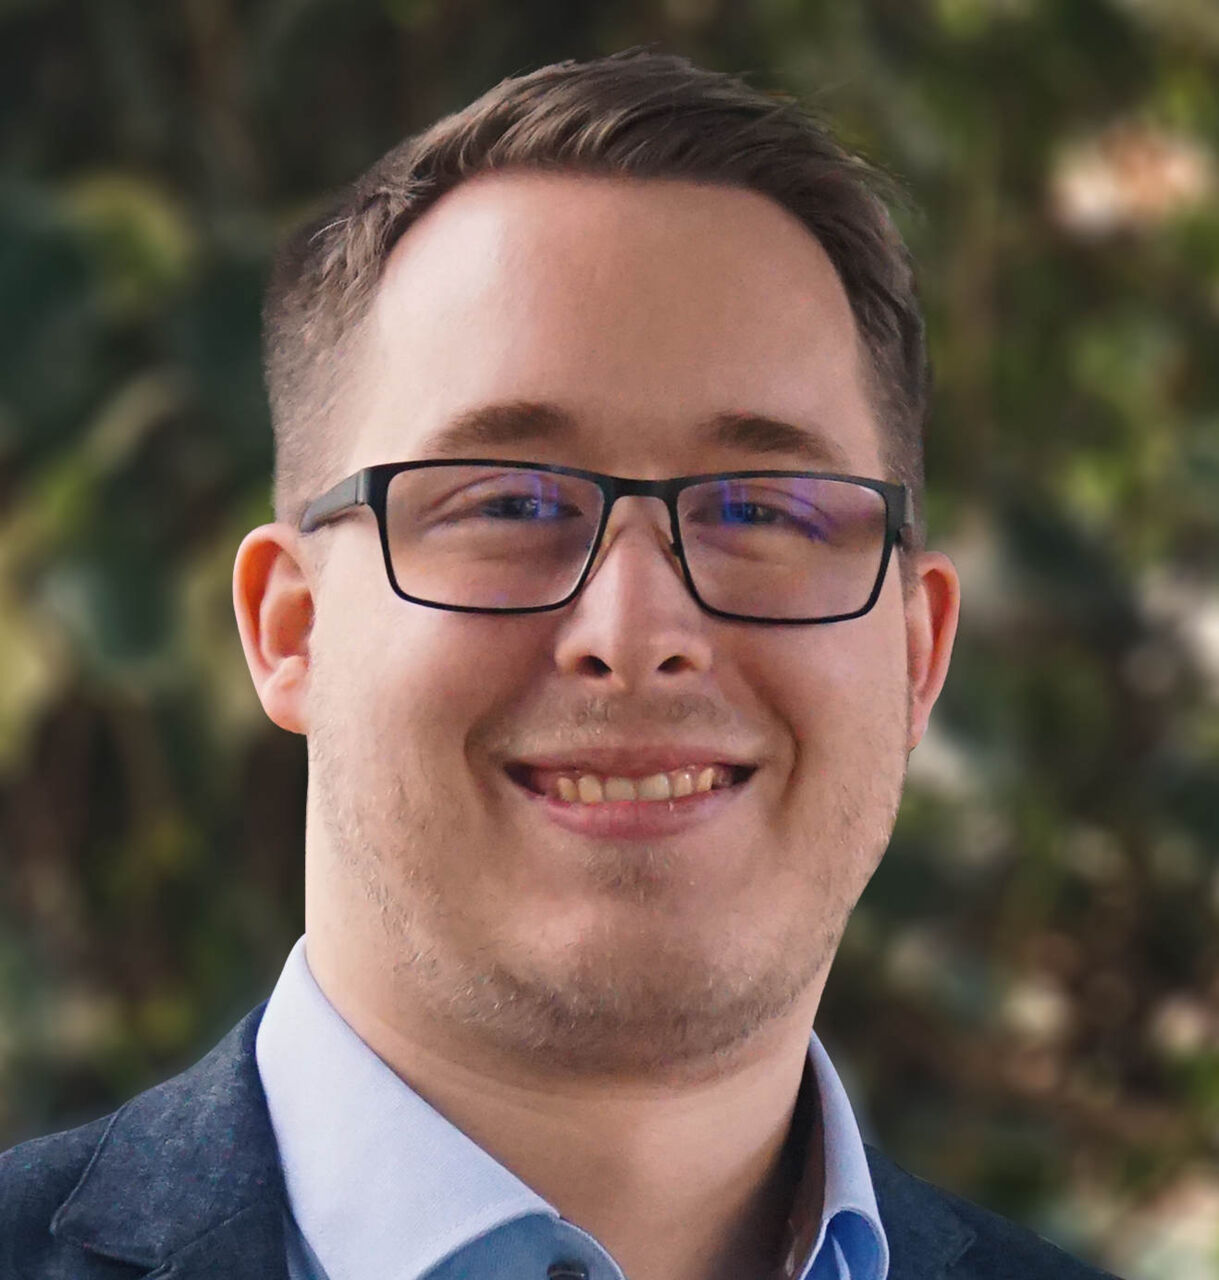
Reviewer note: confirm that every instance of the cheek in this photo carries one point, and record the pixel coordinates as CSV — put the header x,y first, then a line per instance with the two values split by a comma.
x,y
441,676
840,676
840,694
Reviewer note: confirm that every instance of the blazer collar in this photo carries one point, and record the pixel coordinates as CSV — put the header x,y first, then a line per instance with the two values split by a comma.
x,y
186,1178
926,1237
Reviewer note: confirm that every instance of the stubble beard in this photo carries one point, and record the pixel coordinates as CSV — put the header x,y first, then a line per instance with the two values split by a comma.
x,y
608,1006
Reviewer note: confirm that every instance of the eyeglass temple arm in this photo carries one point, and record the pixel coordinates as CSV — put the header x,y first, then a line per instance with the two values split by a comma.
x,y
348,493
907,514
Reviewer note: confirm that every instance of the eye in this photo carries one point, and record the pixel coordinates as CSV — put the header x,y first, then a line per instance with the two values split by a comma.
x,y
738,515
525,506
749,513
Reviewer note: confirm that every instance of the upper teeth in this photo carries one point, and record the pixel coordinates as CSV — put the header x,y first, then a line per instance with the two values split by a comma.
x,y
590,788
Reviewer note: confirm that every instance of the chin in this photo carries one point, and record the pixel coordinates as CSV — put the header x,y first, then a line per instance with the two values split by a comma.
x,y
651,1003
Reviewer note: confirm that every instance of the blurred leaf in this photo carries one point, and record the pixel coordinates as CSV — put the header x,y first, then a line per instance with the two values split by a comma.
x,y
138,237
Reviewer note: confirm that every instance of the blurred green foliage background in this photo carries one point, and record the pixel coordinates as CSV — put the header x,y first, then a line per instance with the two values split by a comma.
x,y
1027,1000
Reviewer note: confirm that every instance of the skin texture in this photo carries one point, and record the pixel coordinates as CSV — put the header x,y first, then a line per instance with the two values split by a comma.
x,y
622,1022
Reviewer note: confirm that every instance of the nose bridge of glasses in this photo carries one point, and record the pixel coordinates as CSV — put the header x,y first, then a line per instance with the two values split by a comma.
x,y
630,510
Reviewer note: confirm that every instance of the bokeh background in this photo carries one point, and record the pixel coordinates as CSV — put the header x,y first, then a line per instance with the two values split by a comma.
x,y
1026,1005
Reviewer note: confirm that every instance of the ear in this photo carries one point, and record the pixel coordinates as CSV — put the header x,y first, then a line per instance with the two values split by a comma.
x,y
933,606
273,600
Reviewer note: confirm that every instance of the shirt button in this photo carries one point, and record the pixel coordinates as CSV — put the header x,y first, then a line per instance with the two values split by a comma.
x,y
567,1271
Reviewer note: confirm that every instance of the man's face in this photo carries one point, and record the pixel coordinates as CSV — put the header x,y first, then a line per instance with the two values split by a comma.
x,y
640,310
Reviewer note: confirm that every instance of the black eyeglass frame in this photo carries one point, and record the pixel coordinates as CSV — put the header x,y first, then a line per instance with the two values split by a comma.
x,y
370,486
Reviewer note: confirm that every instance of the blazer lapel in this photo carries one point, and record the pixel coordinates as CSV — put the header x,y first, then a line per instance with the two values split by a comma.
x,y
185,1181
925,1236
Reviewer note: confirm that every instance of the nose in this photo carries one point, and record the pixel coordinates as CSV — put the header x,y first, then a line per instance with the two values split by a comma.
x,y
635,622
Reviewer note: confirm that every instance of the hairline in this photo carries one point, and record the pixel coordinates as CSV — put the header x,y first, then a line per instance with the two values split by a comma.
x,y
340,380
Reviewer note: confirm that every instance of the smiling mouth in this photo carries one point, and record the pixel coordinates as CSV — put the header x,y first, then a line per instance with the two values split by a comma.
x,y
578,787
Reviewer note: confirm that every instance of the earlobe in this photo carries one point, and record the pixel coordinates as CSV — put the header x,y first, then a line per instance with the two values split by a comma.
x,y
932,612
273,601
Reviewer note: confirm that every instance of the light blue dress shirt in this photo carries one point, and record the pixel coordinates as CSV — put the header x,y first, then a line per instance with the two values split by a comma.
x,y
380,1186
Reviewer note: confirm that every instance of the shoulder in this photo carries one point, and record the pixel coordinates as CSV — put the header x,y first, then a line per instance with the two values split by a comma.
x,y
976,1244
167,1167
36,1177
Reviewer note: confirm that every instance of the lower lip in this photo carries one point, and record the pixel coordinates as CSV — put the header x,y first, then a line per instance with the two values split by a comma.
x,y
636,819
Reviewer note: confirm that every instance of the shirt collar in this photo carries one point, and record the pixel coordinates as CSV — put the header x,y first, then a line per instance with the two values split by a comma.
x,y
849,1216
380,1183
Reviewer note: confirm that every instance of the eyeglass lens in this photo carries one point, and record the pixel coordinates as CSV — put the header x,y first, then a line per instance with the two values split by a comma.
x,y
507,538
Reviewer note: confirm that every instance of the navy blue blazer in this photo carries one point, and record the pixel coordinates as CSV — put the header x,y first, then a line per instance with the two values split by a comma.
x,y
183,1182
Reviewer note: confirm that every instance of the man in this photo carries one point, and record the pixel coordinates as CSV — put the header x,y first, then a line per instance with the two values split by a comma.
x,y
597,587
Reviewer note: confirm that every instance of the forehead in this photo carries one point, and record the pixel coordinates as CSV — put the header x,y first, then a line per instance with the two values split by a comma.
x,y
639,308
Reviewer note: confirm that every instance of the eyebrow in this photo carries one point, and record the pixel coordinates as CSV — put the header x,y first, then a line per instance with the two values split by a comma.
x,y
527,422
489,425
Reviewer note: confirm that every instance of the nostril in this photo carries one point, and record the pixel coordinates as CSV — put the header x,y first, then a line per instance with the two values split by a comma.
x,y
591,665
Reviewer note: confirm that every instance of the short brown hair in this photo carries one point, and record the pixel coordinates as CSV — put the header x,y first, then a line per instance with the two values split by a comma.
x,y
637,114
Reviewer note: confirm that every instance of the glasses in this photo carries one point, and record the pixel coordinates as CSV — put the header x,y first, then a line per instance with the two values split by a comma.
x,y
484,536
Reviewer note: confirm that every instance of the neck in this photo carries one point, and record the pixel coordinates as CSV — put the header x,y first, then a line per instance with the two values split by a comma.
x,y
688,1178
